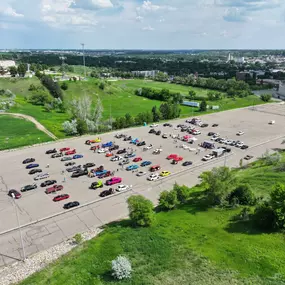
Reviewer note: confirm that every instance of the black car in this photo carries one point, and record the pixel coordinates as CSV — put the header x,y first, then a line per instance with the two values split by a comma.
x,y
158,133
204,125
215,125
88,165
74,168
56,155
106,193
35,170
141,143
184,129
244,147
227,149
152,131
114,147
50,151
29,187
121,151
28,160
69,163
167,125
48,183
79,173
71,205
187,163
129,138
14,194
210,134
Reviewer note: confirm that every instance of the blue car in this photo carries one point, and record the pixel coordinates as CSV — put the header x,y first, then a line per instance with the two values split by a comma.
x,y
134,141
108,144
32,165
99,173
76,156
146,163
132,167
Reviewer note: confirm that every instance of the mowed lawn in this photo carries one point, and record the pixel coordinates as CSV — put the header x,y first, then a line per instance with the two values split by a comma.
x,y
190,245
15,132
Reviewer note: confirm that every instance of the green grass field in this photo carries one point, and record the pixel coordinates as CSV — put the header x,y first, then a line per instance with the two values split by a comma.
x,y
16,132
190,245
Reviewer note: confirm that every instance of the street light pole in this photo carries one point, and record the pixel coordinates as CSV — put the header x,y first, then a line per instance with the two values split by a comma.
x,y
20,231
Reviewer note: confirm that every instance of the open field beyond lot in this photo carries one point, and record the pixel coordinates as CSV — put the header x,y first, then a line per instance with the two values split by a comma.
x,y
35,204
117,98
16,132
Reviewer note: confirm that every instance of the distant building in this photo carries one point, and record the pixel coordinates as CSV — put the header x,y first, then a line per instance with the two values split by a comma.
x,y
146,73
5,64
244,75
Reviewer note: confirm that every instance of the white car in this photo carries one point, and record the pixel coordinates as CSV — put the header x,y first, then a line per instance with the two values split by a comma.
x,y
148,147
154,125
42,176
196,132
240,133
228,142
222,140
116,158
141,173
153,177
103,150
123,187
239,144
157,151
207,157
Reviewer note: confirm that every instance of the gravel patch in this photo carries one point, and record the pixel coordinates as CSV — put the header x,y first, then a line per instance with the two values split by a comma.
x,y
21,270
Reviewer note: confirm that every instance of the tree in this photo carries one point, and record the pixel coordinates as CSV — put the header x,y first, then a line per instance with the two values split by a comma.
x,y
94,74
243,194
183,192
192,95
155,114
203,106
265,97
81,127
38,74
52,86
40,97
70,128
121,268
168,200
13,71
140,211
102,85
64,86
264,217
32,87
218,183
129,120
22,69
277,201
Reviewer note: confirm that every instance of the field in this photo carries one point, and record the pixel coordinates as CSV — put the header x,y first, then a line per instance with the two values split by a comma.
x,y
117,98
16,132
190,245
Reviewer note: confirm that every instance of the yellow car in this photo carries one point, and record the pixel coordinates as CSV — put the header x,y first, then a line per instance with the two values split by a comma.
x,y
165,173
97,140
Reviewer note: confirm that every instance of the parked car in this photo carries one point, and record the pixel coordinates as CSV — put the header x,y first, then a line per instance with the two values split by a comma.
x,y
146,163
137,159
74,168
157,151
165,173
154,125
69,163
64,149
102,150
129,155
121,151
134,141
116,158
108,144
54,189
77,156
79,173
153,177
177,159
66,158
104,175
122,188
207,157
244,147
114,180
71,205
164,136
155,168
158,133
60,197
96,184
48,182
41,176
132,167
55,155
32,165
114,147
127,138
71,152
141,143
210,134
106,193
29,187
35,170
141,173
148,147
29,160
50,151
187,163
152,131
240,133
88,165
239,144
204,125
124,162
15,193
215,125
172,156
248,157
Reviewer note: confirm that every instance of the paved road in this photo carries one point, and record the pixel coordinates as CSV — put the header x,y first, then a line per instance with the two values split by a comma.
x,y
50,231
33,120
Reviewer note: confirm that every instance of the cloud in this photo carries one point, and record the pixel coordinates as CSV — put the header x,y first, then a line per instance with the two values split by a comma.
x,y
250,5
10,12
139,18
147,6
235,15
91,4
148,28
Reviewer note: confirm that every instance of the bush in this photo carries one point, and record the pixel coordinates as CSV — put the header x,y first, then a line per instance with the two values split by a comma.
x,y
266,97
182,192
203,106
121,267
102,85
271,159
64,86
78,239
70,128
40,98
168,200
81,127
141,211
243,194
264,217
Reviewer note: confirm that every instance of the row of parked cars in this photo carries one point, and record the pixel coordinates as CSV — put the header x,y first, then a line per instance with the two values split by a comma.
x,y
216,137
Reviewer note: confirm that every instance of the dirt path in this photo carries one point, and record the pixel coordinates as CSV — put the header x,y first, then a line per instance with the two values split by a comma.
x,y
33,120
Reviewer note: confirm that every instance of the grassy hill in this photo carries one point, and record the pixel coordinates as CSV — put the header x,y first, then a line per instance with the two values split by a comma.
x,y
191,245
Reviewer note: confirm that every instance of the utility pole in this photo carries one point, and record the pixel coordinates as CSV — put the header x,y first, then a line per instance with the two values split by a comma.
x,y
19,227
83,53
111,116
62,64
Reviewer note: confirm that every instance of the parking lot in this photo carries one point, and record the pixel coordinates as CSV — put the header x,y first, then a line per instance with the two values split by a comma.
x,y
35,204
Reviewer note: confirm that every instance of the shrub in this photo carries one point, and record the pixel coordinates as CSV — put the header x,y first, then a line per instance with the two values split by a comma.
x,y
243,194
70,128
78,239
265,97
64,86
271,159
168,200
102,85
182,192
121,267
40,98
141,211
203,106
81,127
264,217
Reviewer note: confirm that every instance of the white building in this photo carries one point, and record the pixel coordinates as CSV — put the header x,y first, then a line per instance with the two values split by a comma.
x,y
146,73
7,63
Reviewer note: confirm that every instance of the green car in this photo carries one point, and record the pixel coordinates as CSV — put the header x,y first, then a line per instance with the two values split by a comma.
x,y
97,184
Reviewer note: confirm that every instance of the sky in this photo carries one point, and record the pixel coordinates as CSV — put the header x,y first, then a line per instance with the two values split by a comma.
x,y
139,24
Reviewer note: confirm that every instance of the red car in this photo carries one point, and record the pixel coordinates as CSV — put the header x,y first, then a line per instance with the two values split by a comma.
x,y
178,158
60,197
107,174
154,168
109,154
64,149
53,189
14,193
172,156
71,152
137,159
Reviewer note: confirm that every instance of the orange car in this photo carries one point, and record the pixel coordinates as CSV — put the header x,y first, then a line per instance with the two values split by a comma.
x,y
109,154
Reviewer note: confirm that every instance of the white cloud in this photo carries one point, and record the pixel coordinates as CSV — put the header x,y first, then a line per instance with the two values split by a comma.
x,y
147,6
10,12
91,4
139,18
148,28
